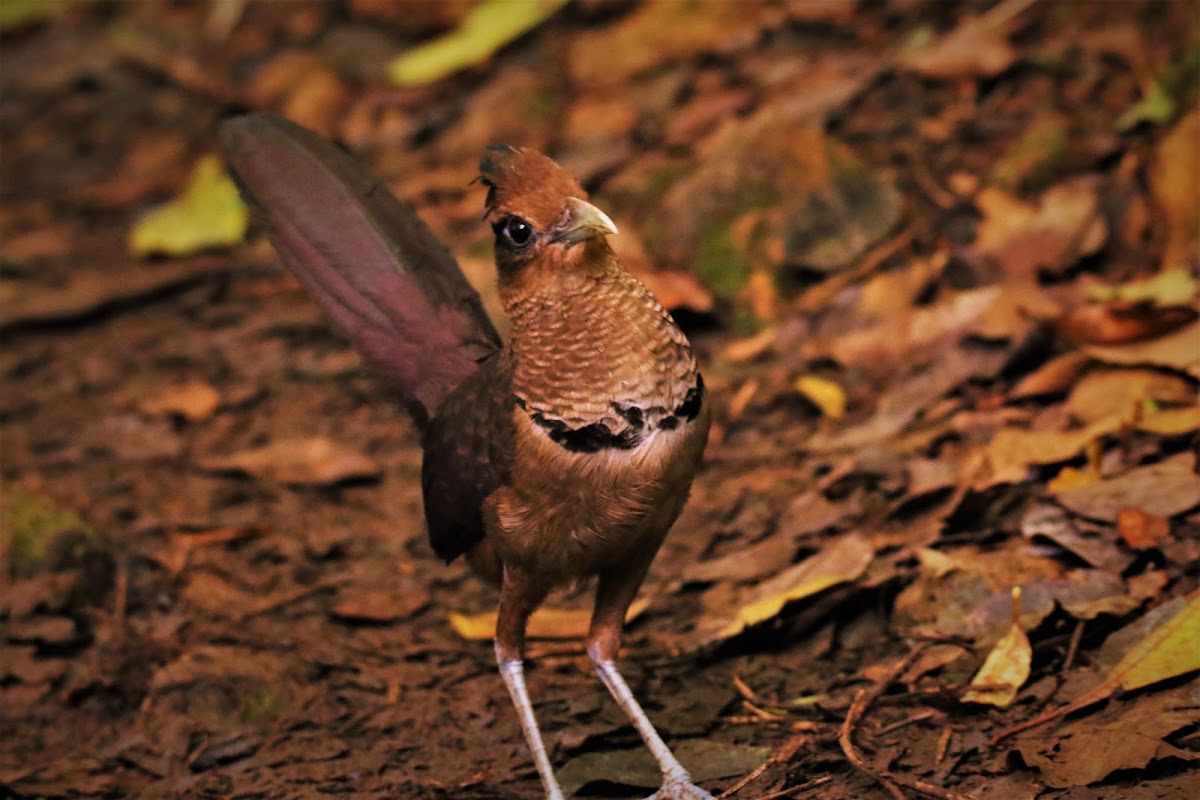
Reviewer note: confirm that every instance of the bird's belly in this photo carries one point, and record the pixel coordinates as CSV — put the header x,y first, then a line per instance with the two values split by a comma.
x,y
579,513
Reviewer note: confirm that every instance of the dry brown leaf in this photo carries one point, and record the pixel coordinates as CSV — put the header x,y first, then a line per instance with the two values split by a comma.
x,y
674,288
1024,238
315,461
896,337
546,623
659,33
176,556
1171,421
219,663
379,605
1006,667
1177,192
195,401
317,101
1048,521
742,350
1055,376
1166,488
1012,451
844,560
1140,530
1121,393
977,47
1123,736
747,563
86,292
1179,350
1122,322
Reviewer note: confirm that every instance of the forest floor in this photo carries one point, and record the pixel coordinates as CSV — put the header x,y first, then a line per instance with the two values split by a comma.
x,y
940,263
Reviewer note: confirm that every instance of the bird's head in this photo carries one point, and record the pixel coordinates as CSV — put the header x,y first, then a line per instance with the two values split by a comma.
x,y
539,213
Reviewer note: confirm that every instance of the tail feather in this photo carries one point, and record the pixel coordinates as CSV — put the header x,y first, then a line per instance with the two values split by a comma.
x,y
366,257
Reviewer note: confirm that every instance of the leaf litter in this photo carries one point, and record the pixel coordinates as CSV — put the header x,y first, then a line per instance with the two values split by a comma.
x,y
949,353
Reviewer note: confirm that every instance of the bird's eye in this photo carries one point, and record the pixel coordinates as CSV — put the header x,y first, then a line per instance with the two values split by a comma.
x,y
516,230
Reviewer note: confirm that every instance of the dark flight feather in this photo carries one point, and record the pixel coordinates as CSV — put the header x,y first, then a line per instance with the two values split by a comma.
x,y
365,256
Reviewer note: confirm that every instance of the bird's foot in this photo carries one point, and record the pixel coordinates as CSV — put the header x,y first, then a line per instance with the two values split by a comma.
x,y
680,789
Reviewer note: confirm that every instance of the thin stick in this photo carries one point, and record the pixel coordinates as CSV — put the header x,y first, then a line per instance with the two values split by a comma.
x,y
889,781
784,753
1073,647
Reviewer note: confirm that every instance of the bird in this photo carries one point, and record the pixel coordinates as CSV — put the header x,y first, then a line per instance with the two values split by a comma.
x,y
562,454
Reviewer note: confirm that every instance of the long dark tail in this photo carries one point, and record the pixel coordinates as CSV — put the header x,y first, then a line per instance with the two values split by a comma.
x,y
365,256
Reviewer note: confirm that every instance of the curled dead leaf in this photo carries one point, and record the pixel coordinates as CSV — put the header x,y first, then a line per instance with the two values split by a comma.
x,y
1121,322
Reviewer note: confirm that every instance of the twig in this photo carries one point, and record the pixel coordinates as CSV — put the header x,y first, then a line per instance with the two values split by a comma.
x,y
816,298
784,753
278,602
792,791
889,781
845,738
915,718
1073,647
121,589
943,744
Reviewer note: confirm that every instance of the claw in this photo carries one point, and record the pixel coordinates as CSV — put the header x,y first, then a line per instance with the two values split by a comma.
x,y
680,790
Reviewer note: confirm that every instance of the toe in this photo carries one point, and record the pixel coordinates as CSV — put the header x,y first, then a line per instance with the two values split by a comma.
x,y
680,790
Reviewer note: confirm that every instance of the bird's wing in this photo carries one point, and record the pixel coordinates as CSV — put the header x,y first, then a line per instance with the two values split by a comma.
x,y
469,450
365,256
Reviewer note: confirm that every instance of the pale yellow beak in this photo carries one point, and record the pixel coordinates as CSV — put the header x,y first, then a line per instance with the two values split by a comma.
x,y
584,221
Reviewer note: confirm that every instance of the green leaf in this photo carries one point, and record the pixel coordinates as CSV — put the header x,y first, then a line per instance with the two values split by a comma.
x,y
209,213
490,25
1178,82
19,13
1157,106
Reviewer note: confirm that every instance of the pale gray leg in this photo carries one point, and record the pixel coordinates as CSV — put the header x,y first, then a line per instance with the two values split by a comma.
x,y
677,783
513,672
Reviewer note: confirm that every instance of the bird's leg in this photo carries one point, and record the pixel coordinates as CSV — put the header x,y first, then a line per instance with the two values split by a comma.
x,y
613,596
519,596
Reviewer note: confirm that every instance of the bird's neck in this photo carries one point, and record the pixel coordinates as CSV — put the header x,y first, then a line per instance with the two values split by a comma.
x,y
584,339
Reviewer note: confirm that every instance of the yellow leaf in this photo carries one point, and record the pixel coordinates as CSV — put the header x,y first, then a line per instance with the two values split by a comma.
x,y
546,623
1171,649
1168,651
824,394
488,27
209,213
1173,183
1171,421
1006,668
1171,287
843,561
1071,478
